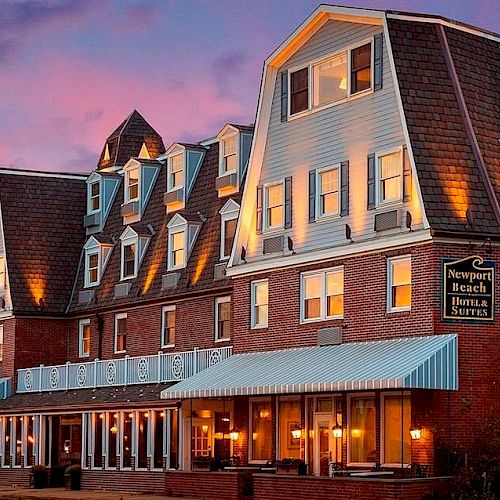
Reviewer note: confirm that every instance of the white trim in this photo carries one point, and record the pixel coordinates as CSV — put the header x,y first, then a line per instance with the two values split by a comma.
x,y
2,341
127,169
228,212
170,157
222,156
89,253
127,242
390,261
381,154
96,180
265,201
253,290
81,324
346,250
251,401
7,312
164,309
319,171
33,173
171,233
119,316
221,300
350,397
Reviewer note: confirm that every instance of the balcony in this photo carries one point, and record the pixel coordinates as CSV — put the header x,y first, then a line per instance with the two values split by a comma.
x,y
157,368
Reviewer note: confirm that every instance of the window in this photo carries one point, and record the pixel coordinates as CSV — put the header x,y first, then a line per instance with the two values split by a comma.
x,y
229,230
361,430
158,438
261,431
168,326
322,295
127,433
273,206
95,196
259,300
395,422
177,250
93,268
132,192
181,239
328,191
289,419
129,258
390,177
330,80
1,342
361,59
230,157
143,418
99,421
84,330
399,284
222,318
112,431
299,91
3,275
120,332
176,171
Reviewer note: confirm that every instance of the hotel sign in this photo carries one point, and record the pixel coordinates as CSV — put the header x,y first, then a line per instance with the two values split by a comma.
x,y
468,289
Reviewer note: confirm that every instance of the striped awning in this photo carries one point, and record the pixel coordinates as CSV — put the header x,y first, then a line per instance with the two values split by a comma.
x,y
404,363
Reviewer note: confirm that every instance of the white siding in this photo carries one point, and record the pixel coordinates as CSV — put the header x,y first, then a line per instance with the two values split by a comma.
x,y
347,131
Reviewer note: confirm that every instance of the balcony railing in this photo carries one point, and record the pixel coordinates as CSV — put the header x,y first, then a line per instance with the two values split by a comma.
x,y
157,368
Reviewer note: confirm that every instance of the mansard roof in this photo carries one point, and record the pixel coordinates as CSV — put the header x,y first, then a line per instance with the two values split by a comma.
x,y
42,220
127,139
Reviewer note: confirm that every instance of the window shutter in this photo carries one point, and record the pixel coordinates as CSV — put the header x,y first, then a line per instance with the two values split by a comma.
x,y
312,195
288,202
344,188
259,209
378,58
371,182
407,180
284,96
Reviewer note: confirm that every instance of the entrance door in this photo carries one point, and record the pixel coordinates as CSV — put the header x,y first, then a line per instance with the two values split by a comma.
x,y
199,431
325,448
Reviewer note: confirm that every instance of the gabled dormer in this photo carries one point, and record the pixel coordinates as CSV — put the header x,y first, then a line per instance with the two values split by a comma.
x,y
182,233
101,191
234,150
97,251
139,178
132,251
183,164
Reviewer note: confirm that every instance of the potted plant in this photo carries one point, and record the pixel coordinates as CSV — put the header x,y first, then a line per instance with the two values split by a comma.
x,y
39,476
73,477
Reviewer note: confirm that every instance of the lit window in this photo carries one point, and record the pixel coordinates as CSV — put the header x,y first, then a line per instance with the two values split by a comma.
x,y
361,58
120,332
95,196
93,268
127,433
229,220
222,318
229,230
330,80
168,326
322,295
177,249
3,275
176,174
230,160
328,191
399,281
289,419
129,259
99,421
112,432
132,184
96,258
273,206
1,342
142,437
261,431
260,300
84,338
393,427
299,91
390,174
362,430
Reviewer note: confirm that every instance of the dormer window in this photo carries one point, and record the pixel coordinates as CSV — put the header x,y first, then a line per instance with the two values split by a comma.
x,y
132,184
176,172
3,275
133,249
182,234
95,196
96,257
101,190
229,220
230,157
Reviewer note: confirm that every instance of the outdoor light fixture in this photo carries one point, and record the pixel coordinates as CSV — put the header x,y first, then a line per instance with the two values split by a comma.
x,y
290,245
264,414
244,254
114,429
408,220
234,434
204,428
337,431
356,433
296,431
416,432
348,232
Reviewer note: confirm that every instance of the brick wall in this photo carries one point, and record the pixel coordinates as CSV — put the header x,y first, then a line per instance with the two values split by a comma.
x,y
130,481
9,347
14,477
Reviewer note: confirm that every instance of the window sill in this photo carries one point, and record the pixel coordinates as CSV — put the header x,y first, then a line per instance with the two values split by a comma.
x,y
128,278
80,356
319,320
167,346
222,340
273,231
327,218
399,309
389,204
120,352
361,464
259,327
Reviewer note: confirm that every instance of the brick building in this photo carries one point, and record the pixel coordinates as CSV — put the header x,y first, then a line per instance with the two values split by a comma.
x,y
346,320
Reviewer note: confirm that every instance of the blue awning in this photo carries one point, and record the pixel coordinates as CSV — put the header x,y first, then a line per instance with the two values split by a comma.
x,y
429,362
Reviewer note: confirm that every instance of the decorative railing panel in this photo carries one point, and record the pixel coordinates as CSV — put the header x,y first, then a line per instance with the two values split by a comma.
x,y
157,368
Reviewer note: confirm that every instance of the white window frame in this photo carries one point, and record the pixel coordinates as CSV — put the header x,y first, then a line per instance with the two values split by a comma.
x,y
91,210
81,328
170,186
265,203
350,397
127,184
226,216
250,426
170,264
378,177
3,274
390,276
320,171
89,254
253,294
165,309
311,64
220,300
384,395
222,156
1,341
323,273
119,316
134,240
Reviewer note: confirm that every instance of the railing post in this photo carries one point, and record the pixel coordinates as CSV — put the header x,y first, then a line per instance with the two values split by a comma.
x,y
159,366
40,371
67,375
195,361
96,360
125,365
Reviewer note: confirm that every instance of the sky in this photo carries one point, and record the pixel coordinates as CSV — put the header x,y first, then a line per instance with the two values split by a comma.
x,y
72,70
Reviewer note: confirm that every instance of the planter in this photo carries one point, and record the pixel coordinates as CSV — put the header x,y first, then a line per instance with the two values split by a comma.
x,y
205,465
291,468
39,477
73,478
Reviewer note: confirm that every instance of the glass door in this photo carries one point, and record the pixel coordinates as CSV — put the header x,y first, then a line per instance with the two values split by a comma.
x,y
325,449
